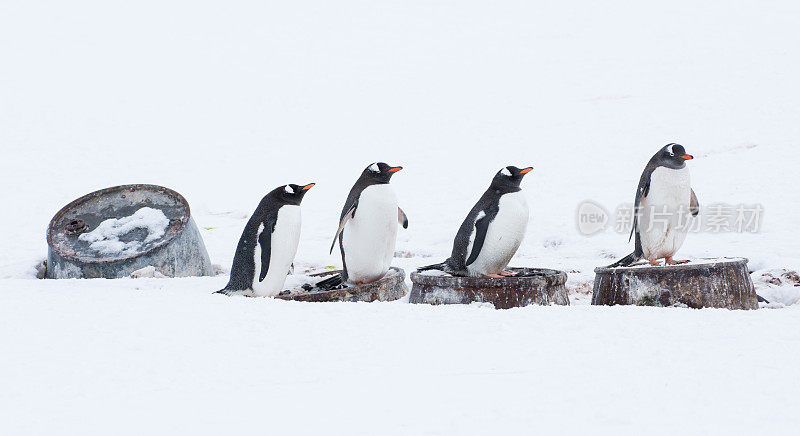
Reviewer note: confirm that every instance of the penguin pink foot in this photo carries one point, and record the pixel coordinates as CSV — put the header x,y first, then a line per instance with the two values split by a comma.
x,y
654,262
505,273
671,261
494,276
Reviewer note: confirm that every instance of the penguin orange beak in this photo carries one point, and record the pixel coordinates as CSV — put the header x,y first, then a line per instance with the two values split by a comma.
x,y
526,170
309,186
394,169
687,157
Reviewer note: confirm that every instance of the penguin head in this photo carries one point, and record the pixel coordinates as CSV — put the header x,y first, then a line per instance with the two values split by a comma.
x,y
672,156
379,172
510,177
293,194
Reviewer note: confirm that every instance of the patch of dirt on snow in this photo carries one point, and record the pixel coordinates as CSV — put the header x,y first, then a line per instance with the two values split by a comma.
x,y
780,286
579,287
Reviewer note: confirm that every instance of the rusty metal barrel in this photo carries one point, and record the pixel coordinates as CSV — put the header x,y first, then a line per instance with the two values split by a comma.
x,y
115,231
720,283
391,287
529,286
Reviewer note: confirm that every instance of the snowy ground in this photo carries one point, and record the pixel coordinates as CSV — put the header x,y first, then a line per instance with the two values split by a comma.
x,y
225,102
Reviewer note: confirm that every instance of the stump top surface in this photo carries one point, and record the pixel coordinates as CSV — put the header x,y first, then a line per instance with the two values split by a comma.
x,y
116,202
692,264
525,275
394,274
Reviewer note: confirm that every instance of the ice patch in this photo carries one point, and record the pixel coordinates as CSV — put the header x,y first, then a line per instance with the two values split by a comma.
x,y
105,238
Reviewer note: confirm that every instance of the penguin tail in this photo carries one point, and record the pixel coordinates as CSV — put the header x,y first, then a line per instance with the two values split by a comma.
x,y
625,261
762,299
331,282
439,266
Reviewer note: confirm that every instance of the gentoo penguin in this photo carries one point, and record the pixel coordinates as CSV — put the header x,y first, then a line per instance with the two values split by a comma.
x,y
492,231
268,244
663,197
368,227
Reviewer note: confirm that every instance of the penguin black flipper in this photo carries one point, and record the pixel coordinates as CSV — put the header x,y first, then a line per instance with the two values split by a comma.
x,y
265,242
694,205
644,189
346,216
477,223
481,226
402,218
348,213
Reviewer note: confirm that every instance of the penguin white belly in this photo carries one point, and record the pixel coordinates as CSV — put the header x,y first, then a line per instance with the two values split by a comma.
x,y
662,226
369,237
503,237
283,247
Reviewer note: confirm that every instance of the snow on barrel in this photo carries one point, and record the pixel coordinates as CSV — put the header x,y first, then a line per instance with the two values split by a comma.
x,y
116,231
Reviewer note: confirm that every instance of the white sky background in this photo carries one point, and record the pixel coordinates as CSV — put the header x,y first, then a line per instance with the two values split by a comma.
x,y
223,102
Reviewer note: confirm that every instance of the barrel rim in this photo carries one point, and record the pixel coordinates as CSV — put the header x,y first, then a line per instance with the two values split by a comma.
x,y
490,282
717,263
51,228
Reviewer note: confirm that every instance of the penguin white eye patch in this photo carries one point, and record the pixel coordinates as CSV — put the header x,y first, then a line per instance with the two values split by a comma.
x,y
288,189
374,168
505,172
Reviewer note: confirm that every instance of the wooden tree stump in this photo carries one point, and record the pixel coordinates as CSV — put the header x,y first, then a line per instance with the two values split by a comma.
x,y
391,287
720,283
529,286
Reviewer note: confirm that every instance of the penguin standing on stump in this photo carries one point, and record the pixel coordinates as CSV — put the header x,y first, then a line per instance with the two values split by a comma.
x,y
268,244
492,231
663,198
368,228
